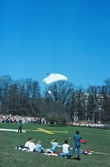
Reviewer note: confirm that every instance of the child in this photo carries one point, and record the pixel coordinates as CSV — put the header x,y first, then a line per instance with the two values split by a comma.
x,y
39,147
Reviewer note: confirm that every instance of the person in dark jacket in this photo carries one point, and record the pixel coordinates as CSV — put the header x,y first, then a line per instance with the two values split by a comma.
x,y
76,144
20,126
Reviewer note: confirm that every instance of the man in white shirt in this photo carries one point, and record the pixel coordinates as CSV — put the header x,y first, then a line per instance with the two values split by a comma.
x,y
65,149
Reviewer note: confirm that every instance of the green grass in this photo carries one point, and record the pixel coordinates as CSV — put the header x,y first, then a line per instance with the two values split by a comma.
x,y
97,140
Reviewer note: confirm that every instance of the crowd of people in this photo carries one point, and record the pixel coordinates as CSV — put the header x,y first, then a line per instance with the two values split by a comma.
x,y
25,119
30,146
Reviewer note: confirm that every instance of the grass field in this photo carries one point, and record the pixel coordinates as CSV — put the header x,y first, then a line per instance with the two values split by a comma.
x,y
98,140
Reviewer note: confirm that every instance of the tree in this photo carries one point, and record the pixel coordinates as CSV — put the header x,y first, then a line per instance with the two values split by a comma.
x,y
105,99
5,82
59,109
20,97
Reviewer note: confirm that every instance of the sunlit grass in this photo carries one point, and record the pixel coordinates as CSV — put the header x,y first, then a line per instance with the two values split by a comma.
x,y
98,140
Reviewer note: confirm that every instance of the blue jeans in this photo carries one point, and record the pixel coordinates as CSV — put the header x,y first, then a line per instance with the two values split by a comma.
x,y
20,129
74,148
63,154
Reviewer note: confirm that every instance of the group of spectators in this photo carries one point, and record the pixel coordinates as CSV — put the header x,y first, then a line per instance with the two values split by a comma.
x,y
25,119
30,146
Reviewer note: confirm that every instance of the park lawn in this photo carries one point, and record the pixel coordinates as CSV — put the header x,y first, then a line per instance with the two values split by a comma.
x,y
98,140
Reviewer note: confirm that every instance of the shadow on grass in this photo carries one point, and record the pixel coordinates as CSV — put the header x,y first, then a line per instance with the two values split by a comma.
x,y
75,158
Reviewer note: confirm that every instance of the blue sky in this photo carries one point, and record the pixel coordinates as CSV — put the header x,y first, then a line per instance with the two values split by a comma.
x,y
70,37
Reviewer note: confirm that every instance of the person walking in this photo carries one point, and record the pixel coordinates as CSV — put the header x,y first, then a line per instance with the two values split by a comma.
x,y
76,144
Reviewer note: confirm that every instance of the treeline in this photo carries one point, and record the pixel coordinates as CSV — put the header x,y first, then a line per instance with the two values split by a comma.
x,y
23,97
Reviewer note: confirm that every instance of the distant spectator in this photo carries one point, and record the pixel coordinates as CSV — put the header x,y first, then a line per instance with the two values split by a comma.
x,y
20,126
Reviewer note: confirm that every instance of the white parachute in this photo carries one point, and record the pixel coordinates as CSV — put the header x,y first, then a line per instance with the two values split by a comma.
x,y
53,78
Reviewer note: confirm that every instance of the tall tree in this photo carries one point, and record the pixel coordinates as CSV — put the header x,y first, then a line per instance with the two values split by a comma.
x,y
5,82
58,110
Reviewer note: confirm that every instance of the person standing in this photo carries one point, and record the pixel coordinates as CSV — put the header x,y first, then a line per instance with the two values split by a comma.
x,y
76,144
20,126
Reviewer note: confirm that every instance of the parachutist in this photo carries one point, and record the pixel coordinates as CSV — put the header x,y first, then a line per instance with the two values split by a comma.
x,y
52,96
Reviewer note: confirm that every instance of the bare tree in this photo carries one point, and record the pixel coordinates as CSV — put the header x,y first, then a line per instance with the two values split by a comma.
x,y
58,110
5,82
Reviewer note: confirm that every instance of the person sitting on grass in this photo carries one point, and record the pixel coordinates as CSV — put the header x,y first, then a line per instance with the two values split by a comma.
x,y
39,147
27,143
24,147
54,146
32,145
65,149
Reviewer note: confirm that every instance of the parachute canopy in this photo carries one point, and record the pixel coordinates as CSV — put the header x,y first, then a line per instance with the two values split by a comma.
x,y
53,78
